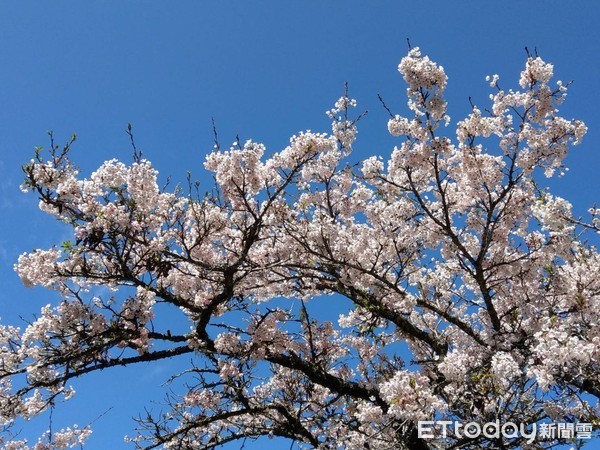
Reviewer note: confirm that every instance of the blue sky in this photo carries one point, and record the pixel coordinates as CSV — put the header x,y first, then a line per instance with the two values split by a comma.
x,y
264,70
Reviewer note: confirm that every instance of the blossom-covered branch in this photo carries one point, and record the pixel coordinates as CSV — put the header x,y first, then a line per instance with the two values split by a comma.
x,y
449,249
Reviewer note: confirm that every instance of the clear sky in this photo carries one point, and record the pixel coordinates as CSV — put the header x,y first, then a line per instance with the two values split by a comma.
x,y
264,70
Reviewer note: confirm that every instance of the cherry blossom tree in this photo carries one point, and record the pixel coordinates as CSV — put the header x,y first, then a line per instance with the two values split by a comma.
x,y
473,294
